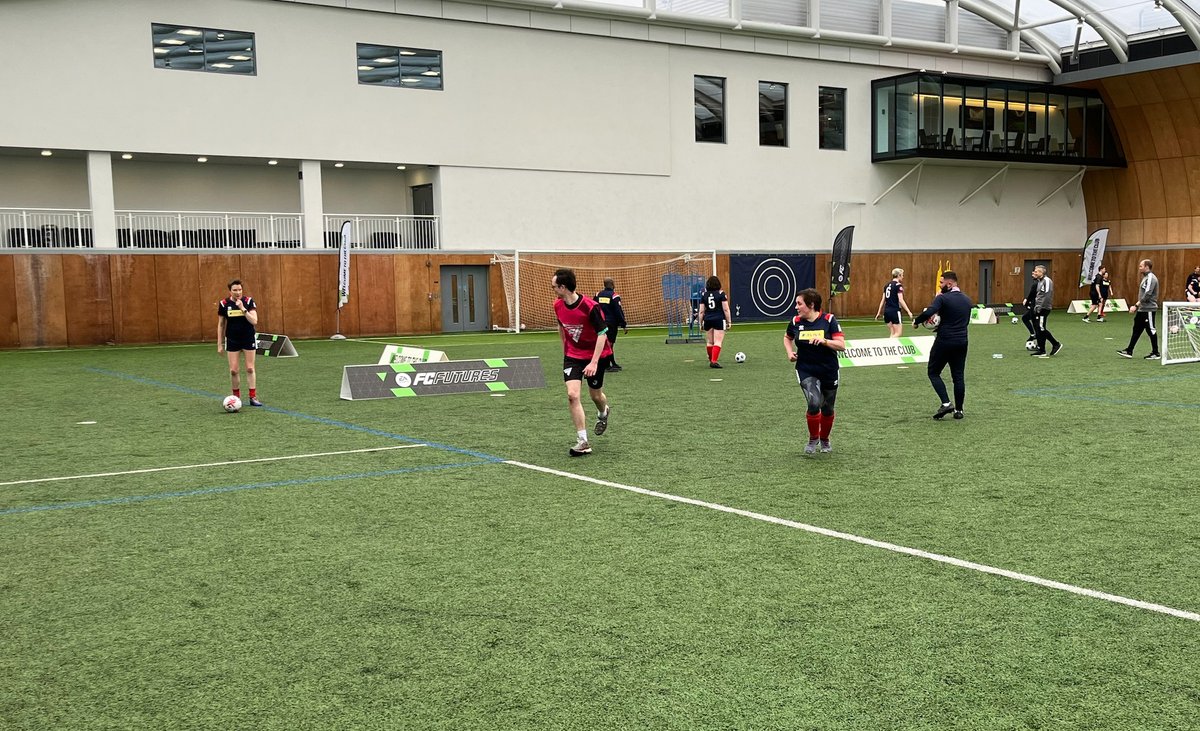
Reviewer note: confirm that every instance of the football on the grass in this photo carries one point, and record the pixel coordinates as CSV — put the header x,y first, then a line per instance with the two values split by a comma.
x,y
232,404
1031,345
739,357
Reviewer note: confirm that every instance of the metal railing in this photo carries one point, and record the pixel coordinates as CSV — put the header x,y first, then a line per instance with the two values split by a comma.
x,y
208,230
411,233
46,228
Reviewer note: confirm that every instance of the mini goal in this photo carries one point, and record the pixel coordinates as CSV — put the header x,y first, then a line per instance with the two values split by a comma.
x,y
1180,332
640,278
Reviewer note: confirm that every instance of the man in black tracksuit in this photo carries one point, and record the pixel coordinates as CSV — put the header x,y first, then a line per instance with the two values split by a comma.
x,y
1030,311
950,345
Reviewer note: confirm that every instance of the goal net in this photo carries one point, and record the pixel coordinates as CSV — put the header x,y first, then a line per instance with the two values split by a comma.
x,y
640,278
1181,332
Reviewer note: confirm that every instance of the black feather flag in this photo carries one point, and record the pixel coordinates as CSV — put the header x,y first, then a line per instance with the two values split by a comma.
x,y
839,279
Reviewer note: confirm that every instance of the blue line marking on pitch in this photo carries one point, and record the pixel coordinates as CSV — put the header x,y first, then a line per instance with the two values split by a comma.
x,y
299,415
235,488
1063,392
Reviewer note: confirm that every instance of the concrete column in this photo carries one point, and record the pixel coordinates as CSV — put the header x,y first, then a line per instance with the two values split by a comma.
x,y
312,204
102,200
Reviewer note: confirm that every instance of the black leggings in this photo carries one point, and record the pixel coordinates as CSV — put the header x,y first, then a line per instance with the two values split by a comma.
x,y
1144,322
954,356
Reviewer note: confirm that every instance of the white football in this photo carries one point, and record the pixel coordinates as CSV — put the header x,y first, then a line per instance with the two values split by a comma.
x,y
1031,345
1016,320
739,357
232,404
933,322
1174,329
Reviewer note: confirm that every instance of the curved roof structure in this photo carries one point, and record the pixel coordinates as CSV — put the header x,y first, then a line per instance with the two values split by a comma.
x,y
1040,31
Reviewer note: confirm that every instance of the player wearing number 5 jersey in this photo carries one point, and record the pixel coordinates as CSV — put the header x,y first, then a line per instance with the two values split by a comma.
x,y
714,314
812,342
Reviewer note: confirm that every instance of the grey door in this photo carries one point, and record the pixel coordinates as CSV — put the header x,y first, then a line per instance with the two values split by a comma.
x,y
464,298
987,273
424,233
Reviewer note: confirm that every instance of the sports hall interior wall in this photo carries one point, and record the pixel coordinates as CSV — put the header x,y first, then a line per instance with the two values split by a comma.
x,y
75,300
1155,201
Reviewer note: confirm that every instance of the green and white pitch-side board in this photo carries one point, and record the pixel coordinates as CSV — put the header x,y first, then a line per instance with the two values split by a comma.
x,y
275,346
400,380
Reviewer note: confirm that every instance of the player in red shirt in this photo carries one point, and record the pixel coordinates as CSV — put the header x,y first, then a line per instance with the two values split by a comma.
x,y
586,354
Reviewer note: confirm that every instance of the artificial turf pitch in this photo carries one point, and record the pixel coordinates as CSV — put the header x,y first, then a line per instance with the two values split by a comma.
x,y
439,585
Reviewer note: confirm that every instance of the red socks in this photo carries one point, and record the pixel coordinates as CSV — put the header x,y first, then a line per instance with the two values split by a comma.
x,y
237,392
252,393
716,353
814,425
826,426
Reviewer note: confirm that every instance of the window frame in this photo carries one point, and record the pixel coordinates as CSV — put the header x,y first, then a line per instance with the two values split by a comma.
x,y
401,52
821,121
200,44
696,78
783,140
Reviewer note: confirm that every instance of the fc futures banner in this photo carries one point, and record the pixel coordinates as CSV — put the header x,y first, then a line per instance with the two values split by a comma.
x,y
398,380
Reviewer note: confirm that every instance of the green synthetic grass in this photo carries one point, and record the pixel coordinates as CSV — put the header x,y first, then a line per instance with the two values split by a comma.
x,y
430,587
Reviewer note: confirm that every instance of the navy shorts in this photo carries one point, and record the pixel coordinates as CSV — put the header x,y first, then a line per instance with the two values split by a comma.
x,y
234,346
573,371
714,324
891,317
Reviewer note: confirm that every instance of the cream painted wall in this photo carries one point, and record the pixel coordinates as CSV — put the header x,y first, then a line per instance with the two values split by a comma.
x,y
167,186
43,182
541,139
740,196
514,98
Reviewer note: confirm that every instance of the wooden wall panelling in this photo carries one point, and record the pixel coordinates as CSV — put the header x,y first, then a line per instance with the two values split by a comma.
x,y
498,297
1191,168
1162,128
1187,126
41,300
1100,195
301,297
135,312
179,312
328,302
376,283
415,281
261,280
213,274
9,333
89,304
1150,188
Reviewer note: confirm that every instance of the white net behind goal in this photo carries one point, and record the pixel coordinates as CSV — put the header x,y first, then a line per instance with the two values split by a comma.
x,y
638,278
1181,332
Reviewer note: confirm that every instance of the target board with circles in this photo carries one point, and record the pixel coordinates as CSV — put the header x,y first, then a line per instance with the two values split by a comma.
x,y
764,286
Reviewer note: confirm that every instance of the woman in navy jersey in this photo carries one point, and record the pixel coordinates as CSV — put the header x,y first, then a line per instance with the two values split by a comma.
x,y
714,314
236,317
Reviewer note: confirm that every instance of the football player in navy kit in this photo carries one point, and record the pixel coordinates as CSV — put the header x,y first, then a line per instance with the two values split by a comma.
x,y
236,318
714,313
812,342
891,302
950,344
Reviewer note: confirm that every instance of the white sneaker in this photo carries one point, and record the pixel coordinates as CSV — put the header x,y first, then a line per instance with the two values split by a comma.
x,y
581,448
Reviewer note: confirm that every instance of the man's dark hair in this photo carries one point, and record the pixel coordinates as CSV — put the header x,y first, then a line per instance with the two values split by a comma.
x,y
236,281
811,297
608,284
565,277
950,275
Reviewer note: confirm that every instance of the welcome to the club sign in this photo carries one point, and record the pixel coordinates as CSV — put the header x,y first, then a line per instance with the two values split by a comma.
x,y
400,380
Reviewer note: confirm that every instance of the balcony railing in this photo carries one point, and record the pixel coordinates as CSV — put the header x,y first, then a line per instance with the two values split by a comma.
x,y
208,230
45,228
409,233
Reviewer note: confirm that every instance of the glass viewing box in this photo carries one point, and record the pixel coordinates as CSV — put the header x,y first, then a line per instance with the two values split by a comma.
x,y
942,116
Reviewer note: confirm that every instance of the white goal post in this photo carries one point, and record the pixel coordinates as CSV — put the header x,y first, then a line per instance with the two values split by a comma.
x,y
638,276
1180,332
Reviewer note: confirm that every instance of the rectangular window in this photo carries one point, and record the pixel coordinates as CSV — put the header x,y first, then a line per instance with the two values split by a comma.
x,y
710,109
188,48
832,120
772,114
410,68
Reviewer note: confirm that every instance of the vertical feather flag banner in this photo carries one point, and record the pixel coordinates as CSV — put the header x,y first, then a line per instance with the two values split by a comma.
x,y
1093,256
343,281
839,276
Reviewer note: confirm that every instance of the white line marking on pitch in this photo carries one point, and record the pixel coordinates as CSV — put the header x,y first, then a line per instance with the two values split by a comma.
x,y
918,553
208,464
